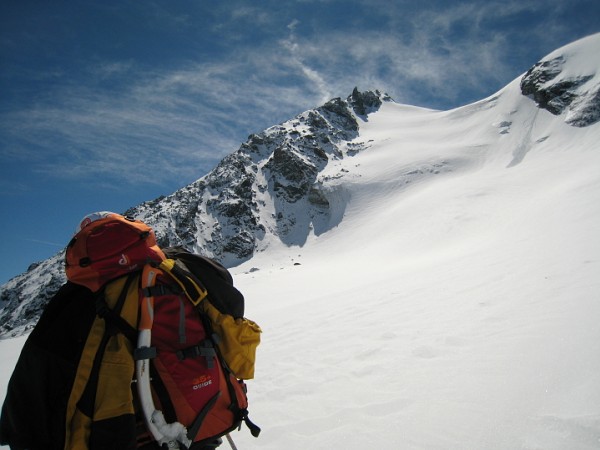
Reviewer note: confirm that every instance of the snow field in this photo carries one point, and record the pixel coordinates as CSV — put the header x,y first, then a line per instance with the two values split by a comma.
x,y
455,304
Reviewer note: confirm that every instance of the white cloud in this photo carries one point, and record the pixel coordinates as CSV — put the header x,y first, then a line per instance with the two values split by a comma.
x,y
167,123
296,60
429,57
293,24
180,120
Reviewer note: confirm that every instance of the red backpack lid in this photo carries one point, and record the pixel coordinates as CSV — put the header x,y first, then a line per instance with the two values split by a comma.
x,y
108,245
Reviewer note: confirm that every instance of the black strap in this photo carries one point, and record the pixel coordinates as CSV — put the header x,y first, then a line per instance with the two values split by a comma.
x,y
88,399
254,429
114,322
141,353
162,289
159,388
194,428
204,349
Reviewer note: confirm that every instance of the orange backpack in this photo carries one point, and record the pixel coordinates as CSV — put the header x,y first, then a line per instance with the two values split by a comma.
x,y
189,352
193,347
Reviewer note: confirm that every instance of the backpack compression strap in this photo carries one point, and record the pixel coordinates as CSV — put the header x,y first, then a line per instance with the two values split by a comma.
x,y
192,286
172,435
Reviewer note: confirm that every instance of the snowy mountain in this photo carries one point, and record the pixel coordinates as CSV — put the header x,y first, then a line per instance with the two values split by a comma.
x,y
284,184
268,189
424,279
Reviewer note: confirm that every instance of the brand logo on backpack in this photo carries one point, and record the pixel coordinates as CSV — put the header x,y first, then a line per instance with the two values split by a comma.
x,y
124,261
201,382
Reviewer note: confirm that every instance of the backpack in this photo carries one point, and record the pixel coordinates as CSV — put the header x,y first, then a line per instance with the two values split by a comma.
x,y
198,366
72,385
107,246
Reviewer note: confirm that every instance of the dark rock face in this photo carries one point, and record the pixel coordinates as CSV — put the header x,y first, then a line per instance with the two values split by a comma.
x,y
558,94
291,175
364,103
588,112
269,186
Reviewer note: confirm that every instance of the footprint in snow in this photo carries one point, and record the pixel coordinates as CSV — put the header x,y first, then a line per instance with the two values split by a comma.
x,y
425,352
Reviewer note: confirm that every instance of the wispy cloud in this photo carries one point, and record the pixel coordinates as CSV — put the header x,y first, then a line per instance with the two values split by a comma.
x,y
125,120
51,244
296,60
428,56
164,123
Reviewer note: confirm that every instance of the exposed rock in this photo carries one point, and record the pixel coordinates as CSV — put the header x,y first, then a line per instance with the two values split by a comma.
x,y
586,113
268,186
364,103
547,86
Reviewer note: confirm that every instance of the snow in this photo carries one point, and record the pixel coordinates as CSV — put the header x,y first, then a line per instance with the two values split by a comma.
x,y
583,57
456,303
456,311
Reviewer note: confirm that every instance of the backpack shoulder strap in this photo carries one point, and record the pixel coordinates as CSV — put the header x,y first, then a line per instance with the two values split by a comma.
x,y
88,398
115,323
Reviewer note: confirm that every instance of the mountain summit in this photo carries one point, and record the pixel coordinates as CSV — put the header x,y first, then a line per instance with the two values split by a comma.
x,y
296,181
269,188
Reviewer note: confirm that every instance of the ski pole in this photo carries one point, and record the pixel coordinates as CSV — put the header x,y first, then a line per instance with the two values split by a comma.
x,y
230,440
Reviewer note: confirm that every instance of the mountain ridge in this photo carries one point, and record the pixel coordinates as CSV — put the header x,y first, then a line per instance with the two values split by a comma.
x,y
275,188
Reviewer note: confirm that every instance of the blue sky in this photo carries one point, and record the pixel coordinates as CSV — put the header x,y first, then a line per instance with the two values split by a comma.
x,y
107,104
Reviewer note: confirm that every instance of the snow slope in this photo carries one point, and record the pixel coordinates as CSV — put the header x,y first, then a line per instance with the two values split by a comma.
x,y
456,303
454,308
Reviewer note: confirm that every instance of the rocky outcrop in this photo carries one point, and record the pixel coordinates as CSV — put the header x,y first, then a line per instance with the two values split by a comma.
x,y
23,298
551,89
364,103
269,186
